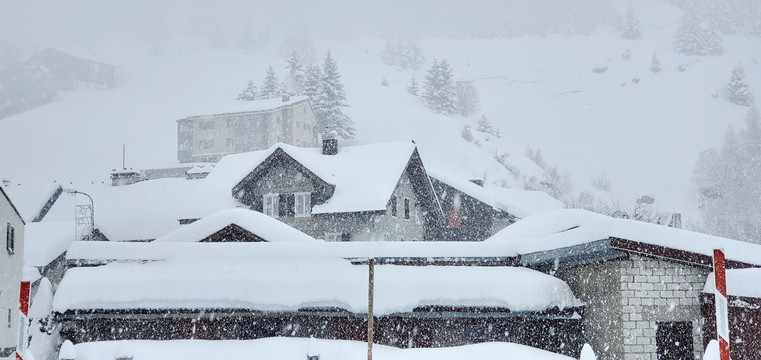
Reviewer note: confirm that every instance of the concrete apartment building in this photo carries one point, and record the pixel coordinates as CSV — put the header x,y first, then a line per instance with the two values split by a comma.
x,y
255,125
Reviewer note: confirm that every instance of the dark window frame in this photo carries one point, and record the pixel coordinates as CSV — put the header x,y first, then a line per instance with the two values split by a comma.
x,y
406,208
10,239
393,206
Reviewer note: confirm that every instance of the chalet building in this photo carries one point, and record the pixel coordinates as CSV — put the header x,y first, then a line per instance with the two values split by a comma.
x,y
309,289
642,283
372,192
71,72
253,125
12,321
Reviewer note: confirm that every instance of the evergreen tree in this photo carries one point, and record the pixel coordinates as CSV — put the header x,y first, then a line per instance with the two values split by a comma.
x,y
696,36
413,54
655,64
295,73
271,88
413,88
729,183
739,92
312,83
249,93
630,27
484,126
439,92
331,101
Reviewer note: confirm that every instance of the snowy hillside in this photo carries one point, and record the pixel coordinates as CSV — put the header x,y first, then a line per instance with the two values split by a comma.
x,y
642,130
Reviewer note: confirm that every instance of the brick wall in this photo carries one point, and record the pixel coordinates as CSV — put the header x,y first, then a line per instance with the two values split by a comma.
x,y
658,291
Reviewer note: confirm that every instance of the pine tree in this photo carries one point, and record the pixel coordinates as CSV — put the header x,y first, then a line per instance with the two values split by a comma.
x,y
413,54
249,93
655,64
484,126
331,101
312,83
271,88
630,27
739,92
413,88
295,73
439,90
696,36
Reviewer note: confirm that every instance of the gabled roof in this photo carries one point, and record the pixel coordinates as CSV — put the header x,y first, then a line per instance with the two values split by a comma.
x,y
573,237
11,204
45,241
256,224
363,177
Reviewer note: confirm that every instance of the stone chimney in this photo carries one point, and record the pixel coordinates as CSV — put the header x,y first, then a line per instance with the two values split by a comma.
x,y
329,144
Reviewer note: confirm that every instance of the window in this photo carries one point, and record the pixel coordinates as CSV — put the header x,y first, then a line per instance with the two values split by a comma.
x,y
272,205
9,318
333,236
10,239
185,127
230,142
206,125
406,208
393,205
205,144
303,206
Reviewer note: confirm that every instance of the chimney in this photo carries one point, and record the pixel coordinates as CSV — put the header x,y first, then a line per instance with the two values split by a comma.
x,y
286,97
329,144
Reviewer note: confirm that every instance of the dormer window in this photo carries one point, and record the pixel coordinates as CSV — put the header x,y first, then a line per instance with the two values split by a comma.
x,y
271,204
406,208
10,239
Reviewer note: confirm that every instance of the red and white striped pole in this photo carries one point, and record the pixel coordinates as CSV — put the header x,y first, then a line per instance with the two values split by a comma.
x,y
722,316
24,317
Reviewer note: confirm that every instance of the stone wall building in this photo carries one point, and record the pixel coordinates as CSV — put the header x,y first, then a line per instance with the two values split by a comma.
x,y
641,283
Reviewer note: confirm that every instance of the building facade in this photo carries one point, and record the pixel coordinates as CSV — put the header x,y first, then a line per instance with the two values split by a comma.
x,y
12,338
206,138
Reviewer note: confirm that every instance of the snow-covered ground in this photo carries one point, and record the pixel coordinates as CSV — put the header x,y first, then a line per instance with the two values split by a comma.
x,y
297,349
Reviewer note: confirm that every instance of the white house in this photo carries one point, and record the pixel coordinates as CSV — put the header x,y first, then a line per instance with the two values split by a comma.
x,y
11,262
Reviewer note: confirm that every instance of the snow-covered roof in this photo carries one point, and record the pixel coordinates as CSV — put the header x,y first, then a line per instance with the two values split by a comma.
x,y
99,251
289,284
364,176
261,225
45,241
520,203
283,348
261,105
140,211
569,227
740,282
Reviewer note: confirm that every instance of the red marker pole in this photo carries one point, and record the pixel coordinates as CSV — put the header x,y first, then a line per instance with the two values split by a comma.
x,y
722,316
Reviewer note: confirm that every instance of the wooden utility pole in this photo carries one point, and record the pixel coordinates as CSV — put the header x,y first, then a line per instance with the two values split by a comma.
x,y
371,285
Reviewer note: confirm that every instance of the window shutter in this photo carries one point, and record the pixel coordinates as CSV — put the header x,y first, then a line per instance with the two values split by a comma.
x,y
258,203
290,205
282,205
